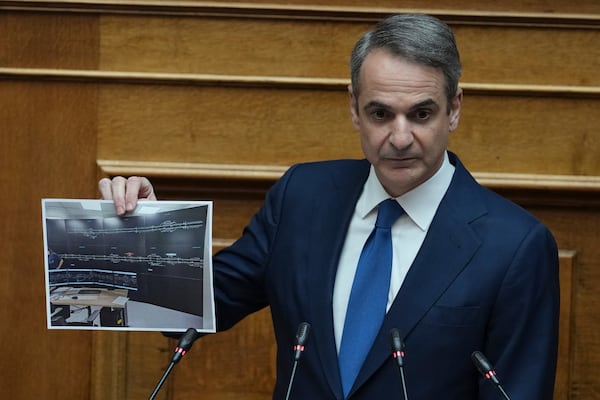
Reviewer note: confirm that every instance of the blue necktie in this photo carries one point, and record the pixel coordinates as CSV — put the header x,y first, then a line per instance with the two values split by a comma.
x,y
368,298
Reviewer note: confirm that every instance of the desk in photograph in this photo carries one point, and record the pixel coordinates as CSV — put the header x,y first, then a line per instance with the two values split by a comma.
x,y
112,302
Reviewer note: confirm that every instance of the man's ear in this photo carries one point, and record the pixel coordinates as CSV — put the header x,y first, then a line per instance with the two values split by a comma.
x,y
353,108
455,109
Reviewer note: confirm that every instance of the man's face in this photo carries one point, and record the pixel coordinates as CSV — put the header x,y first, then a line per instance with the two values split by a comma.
x,y
402,115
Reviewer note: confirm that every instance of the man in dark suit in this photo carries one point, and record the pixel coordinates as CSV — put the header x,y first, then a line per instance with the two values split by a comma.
x,y
470,270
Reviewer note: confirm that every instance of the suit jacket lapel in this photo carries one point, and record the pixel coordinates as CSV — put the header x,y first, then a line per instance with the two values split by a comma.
x,y
335,210
448,246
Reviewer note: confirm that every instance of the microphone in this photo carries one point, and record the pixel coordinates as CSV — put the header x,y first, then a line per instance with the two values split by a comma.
x,y
183,346
398,354
301,336
486,369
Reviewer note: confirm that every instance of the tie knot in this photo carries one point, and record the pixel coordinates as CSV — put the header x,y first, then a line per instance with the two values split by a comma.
x,y
388,212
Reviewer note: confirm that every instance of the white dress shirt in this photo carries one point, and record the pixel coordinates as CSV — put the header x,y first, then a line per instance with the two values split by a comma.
x,y
408,234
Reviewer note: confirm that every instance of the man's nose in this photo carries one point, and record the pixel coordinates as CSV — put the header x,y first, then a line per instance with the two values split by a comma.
x,y
401,133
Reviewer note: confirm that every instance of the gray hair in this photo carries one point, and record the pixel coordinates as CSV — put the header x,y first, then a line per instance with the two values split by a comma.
x,y
418,38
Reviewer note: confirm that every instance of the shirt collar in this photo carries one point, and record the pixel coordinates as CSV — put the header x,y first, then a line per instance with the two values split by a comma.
x,y
420,204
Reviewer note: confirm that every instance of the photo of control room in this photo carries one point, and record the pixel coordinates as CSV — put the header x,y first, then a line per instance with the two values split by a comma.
x,y
143,271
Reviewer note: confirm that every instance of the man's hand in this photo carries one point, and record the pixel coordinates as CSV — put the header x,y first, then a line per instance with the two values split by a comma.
x,y
126,192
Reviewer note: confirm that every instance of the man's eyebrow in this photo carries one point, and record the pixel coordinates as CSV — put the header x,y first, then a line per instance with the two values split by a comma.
x,y
376,104
424,103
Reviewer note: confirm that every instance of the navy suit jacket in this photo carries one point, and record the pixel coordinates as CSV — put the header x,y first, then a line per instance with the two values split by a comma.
x,y
485,278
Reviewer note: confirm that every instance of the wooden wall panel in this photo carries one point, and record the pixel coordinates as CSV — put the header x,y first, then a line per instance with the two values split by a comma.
x,y
229,46
40,40
47,149
221,125
216,365
267,47
529,55
285,126
543,135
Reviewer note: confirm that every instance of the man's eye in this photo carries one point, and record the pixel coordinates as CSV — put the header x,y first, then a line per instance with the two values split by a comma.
x,y
379,115
422,115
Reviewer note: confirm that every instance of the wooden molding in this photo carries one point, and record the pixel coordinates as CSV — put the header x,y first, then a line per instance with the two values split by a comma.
x,y
181,179
567,262
524,90
539,181
300,83
271,173
158,78
312,12
198,171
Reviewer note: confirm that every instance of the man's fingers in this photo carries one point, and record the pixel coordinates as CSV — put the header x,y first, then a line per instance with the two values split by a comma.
x,y
105,187
146,191
138,188
126,192
114,189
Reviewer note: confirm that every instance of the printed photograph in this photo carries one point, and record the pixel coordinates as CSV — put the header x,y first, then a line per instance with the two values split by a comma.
x,y
150,270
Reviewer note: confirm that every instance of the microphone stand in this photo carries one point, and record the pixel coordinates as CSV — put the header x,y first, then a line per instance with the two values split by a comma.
x,y
503,392
161,381
401,368
289,390
183,346
398,353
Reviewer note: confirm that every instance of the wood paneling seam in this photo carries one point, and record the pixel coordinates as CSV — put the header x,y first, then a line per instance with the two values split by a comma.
x,y
272,172
275,82
309,12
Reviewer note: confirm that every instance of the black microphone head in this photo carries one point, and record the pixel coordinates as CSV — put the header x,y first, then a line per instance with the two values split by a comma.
x,y
397,347
397,343
185,344
187,340
484,366
481,362
301,336
302,333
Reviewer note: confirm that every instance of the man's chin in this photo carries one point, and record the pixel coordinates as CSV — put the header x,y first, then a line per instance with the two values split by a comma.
x,y
398,178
